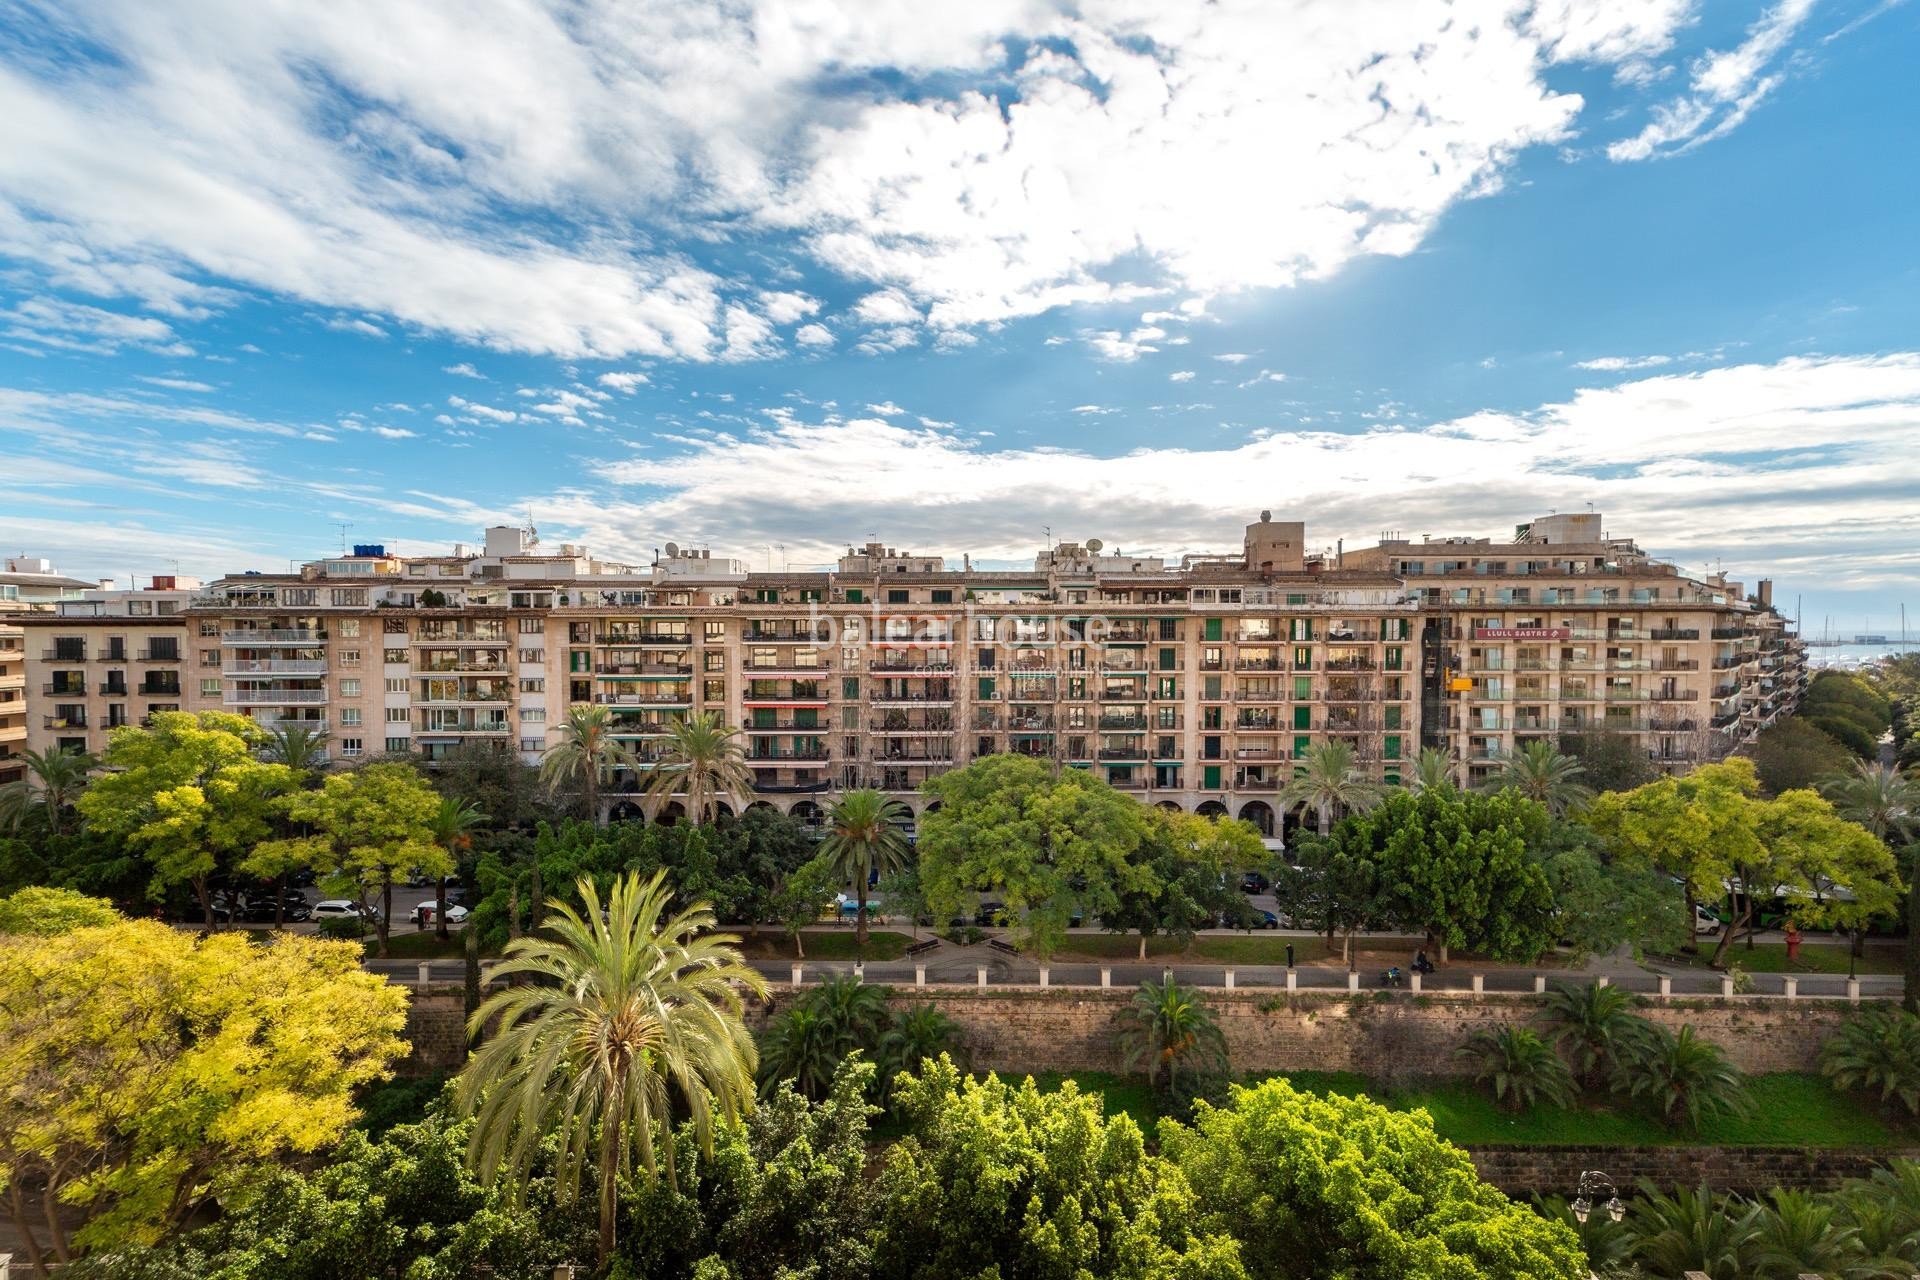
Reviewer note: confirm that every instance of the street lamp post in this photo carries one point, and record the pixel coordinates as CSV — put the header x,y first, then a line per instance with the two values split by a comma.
x,y
1593,1184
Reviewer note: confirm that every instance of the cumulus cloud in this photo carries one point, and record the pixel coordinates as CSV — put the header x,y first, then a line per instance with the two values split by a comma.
x,y
1723,89
178,384
552,180
813,335
1613,364
1183,375
463,370
486,411
625,382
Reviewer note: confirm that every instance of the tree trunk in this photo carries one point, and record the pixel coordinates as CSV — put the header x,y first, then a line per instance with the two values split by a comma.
x,y
590,792
860,920
1143,944
205,894
513,911
440,909
384,921
799,948
471,989
609,1204
17,1210
1736,922
1346,949
280,901
50,1209
537,909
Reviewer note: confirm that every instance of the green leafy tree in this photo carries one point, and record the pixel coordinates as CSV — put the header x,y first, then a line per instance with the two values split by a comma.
x,y
1168,1029
1545,776
1054,847
806,1042
803,895
1321,1185
1001,1180
1793,754
48,911
1519,1068
1596,1028
703,764
1687,1079
1887,803
495,781
1336,888
917,1036
51,783
145,1072
1184,862
373,827
1456,864
863,840
1601,903
452,824
188,793
1877,1052
584,758
627,1010
1613,761
1328,781
1841,875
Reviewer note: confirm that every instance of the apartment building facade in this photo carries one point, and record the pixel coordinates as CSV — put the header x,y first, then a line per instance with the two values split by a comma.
x,y
105,658
1195,684
28,584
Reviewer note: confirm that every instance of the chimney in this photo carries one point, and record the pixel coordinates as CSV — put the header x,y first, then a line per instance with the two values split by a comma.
x,y
1765,591
106,584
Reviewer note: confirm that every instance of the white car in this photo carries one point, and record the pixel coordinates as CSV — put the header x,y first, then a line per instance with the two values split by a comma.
x,y
336,909
1704,921
423,913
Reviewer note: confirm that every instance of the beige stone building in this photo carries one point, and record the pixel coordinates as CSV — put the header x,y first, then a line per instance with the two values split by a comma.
x,y
104,658
28,584
1194,684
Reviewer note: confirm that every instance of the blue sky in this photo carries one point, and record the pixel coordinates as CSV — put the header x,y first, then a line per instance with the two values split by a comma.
x,y
774,278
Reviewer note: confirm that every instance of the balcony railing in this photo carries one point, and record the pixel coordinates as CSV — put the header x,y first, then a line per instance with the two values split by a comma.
x,y
883,726
765,759
1674,633
274,635
78,721
63,655
152,690
251,697
64,690
930,695
159,655
277,667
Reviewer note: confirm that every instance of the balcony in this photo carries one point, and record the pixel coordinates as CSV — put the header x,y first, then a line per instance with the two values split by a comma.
x,y
1675,664
1136,755
1259,664
1674,695
1727,633
255,697
1350,664
76,720
909,730
783,725
64,690
159,689
1257,724
774,759
1030,724
64,655
648,698
275,636
274,667
1259,753
1255,784
1136,723
159,655
944,670
933,696
803,697
752,668
1673,633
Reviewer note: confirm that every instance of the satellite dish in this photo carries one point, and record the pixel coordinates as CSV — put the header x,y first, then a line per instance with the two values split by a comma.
x,y
1094,544
673,549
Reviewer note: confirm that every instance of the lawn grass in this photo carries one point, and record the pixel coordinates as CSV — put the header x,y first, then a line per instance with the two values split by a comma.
x,y
419,944
835,944
1207,948
1815,957
1788,1110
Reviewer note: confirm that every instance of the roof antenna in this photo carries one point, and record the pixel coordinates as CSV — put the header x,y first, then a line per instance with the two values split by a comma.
x,y
344,526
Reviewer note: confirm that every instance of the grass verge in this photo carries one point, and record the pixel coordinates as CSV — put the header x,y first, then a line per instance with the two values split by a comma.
x,y
828,945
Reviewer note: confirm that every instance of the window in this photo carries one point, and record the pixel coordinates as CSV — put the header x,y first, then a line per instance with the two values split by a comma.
x,y
209,627
714,691
1213,629
345,596
534,684
349,688
533,715
532,626
533,655
896,596
856,596
348,657
398,746
395,626
849,687
1169,628
210,688
350,716
139,608
713,660
397,684
347,628
714,630
209,657
299,595
351,747
396,715
395,656
943,597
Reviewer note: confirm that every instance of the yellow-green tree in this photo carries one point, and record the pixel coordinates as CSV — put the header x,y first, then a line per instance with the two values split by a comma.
x,y
189,794
144,1071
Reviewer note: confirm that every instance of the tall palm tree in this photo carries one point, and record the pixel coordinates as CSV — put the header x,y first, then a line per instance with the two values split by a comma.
x,y
585,756
1170,1028
630,1013
53,781
1328,780
1887,803
452,825
299,746
862,839
1540,772
704,764
1432,770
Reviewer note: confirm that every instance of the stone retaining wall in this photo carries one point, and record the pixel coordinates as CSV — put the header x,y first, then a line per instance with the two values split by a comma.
x,y
1525,1170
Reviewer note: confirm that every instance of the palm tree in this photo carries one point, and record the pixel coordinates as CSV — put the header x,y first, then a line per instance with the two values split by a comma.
x,y
1540,772
452,824
863,840
1688,1079
1520,1067
301,747
703,763
1800,1234
1691,1231
1168,1027
1432,771
799,1046
53,781
630,1014
1877,1052
1328,780
1596,1027
917,1036
1878,797
585,756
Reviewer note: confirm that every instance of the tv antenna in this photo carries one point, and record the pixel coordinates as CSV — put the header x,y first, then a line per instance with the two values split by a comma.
x,y
344,526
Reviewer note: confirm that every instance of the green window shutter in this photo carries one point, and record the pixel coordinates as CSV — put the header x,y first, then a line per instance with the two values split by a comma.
x,y
986,686
1301,746
1210,778
849,686
1169,660
1393,717
1303,717
803,718
763,717
943,597
1303,659
1213,631
1302,688
1393,658
1212,687
1393,746
896,597
1296,597
856,596
1169,687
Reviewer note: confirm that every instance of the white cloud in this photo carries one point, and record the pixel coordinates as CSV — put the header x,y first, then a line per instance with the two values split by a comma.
x,y
463,370
1740,461
392,433
355,324
1111,344
1614,364
73,326
1265,375
1093,410
749,335
1234,357
548,179
179,384
625,382
486,411
813,335
1724,87
1183,375
888,409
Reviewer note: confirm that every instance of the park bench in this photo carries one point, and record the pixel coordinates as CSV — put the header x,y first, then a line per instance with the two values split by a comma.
x,y
921,948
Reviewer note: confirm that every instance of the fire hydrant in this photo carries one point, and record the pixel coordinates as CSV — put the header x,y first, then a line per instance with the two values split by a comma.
x,y
1793,942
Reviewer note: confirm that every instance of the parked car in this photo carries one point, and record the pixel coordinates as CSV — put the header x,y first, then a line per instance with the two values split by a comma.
x,y
1254,882
336,909
990,914
1704,921
423,914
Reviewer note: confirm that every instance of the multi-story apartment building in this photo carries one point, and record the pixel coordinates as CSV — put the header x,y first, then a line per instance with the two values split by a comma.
x,y
28,584
105,658
1194,684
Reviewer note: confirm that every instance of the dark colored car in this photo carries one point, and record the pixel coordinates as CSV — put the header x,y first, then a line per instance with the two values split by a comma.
x,y
1254,882
990,914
